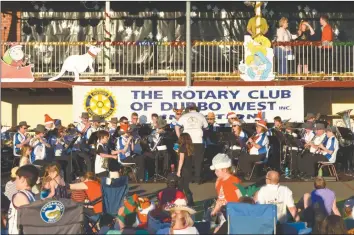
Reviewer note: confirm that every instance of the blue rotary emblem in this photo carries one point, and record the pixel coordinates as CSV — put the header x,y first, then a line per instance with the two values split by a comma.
x,y
52,212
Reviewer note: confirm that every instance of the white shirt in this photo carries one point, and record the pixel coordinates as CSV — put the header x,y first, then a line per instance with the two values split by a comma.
x,y
317,141
283,35
309,136
188,230
279,195
18,139
333,145
39,151
193,124
99,161
263,141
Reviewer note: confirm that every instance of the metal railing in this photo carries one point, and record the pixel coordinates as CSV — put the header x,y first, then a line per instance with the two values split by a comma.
x,y
210,60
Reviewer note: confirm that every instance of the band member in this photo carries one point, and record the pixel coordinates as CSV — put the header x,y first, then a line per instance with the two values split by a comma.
x,y
239,142
308,132
83,127
305,163
257,148
231,117
112,130
178,114
134,119
310,117
125,148
104,161
278,124
289,130
39,145
20,138
210,137
154,118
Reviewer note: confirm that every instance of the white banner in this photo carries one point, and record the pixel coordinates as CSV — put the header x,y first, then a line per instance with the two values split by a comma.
x,y
284,101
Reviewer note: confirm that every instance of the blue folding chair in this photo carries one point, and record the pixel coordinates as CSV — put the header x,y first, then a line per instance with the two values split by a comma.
x,y
295,228
251,219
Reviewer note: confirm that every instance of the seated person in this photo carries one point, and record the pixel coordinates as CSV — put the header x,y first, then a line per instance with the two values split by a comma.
x,y
349,212
225,186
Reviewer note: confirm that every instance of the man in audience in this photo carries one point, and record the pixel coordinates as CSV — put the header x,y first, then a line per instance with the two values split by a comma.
x,y
279,195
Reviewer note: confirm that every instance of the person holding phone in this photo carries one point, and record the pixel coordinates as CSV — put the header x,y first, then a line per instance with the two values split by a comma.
x,y
184,170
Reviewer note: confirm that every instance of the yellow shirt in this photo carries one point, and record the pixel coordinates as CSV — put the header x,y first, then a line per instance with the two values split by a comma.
x,y
251,26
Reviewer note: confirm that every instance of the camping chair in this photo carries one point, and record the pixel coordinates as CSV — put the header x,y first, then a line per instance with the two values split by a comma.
x,y
113,195
259,163
331,168
62,216
251,219
295,228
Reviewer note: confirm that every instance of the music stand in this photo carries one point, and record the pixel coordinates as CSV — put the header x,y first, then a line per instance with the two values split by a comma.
x,y
69,148
291,142
157,176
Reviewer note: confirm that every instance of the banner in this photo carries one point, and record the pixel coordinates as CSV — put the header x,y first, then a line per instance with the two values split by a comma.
x,y
284,101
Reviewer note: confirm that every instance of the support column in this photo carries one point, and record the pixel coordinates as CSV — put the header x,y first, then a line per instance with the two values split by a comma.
x,y
188,45
107,41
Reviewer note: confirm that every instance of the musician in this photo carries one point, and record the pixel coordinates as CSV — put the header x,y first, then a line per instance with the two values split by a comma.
x,y
305,162
326,151
178,114
309,133
39,145
154,118
52,132
113,124
289,130
134,119
310,117
20,139
257,149
278,124
125,151
231,117
158,145
210,137
240,140
83,127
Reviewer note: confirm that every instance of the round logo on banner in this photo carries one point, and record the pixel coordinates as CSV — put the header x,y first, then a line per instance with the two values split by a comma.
x,y
100,102
52,212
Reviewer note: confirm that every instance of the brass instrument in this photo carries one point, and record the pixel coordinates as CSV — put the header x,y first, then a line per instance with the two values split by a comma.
x,y
345,115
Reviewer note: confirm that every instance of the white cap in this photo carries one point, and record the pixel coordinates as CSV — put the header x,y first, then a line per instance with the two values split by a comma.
x,y
220,161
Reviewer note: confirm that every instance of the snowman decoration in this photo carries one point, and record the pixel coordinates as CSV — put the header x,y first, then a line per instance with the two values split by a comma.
x,y
14,66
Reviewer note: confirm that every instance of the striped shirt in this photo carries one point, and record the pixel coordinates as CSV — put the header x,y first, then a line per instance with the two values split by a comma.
x,y
263,141
332,145
18,139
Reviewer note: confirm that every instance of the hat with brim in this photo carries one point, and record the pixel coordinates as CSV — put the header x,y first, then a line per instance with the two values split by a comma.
x,y
332,129
221,161
114,120
161,123
40,128
180,205
308,125
262,123
319,126
23,123
96,118
309,116
85,115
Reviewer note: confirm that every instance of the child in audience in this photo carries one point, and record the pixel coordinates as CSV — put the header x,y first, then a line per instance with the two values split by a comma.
x,y
26,151
53,184
26,177
78,195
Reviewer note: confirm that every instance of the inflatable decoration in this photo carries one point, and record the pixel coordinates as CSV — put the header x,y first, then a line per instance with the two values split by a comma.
x,y
13,66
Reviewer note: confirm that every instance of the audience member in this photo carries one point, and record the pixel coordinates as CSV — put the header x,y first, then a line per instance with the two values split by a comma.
x,y
53,184
333,224
10,187
26,151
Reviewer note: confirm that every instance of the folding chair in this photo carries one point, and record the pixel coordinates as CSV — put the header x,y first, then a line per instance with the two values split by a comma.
x,y
259,163
251,219
113,195
331,168
131,166
295,228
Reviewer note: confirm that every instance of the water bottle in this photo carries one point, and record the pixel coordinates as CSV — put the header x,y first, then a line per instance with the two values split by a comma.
x,y
320,173
146,175
286,172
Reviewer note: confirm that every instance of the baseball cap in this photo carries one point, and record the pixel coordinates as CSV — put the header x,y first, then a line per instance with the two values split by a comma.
x,y
220,161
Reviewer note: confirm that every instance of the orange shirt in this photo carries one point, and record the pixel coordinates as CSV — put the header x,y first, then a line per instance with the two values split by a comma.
x,y
227,190
93,192
327,34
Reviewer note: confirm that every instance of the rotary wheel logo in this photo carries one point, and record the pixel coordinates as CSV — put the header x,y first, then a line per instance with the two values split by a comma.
x,y
100,102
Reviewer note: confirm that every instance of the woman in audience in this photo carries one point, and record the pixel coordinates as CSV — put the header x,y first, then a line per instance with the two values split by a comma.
x,y
182,222
92,187
26,151
283,52
53,184
184,170
333,224
305,33
10,187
